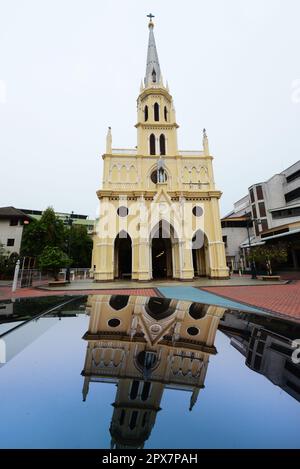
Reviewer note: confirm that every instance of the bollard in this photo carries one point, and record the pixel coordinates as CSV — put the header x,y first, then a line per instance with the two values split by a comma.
x,y
16,275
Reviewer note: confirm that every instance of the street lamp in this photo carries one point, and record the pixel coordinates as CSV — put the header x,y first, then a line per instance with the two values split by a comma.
x,y
250,221
69,221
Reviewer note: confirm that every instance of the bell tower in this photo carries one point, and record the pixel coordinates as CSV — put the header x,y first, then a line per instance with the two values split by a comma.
x,y
156,120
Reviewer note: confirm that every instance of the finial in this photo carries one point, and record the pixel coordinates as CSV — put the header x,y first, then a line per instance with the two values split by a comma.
x,y
109,141
205,143
151,24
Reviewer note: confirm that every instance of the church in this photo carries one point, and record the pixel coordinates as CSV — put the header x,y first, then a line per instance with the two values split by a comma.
x,y
159,208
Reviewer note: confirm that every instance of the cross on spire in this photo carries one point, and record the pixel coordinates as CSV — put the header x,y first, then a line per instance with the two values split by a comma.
x,y
150,16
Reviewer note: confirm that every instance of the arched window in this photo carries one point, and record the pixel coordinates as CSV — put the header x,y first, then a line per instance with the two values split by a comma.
x,y
146,113
134,389
156,112
166,113
154,76
162,144
152,144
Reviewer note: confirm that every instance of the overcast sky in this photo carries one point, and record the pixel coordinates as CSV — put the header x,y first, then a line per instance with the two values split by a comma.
x,y
71,68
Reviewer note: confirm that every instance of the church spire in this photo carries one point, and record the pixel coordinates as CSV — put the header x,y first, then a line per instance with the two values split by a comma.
x,y
153,73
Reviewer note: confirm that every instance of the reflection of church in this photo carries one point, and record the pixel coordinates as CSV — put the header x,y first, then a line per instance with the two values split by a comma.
x,y
159,208
145,345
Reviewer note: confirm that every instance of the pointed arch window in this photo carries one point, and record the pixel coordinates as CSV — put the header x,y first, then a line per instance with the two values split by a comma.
x,y
154,76
152,144
156,112
162,144
166,113
146,113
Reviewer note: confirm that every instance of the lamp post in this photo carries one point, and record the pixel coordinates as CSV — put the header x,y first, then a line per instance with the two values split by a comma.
x,y
69,221
251,221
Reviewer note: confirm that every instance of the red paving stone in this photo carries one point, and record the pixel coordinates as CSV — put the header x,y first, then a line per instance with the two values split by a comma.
x,y
6,293
283,299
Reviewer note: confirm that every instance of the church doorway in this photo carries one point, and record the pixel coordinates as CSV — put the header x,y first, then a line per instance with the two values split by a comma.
x,y
123,256
200,254
161,250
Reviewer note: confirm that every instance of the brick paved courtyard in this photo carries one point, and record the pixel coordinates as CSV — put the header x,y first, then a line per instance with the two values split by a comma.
x,y
283,299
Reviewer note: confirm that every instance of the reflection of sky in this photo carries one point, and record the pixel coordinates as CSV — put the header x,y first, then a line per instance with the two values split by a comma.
x,y
41,402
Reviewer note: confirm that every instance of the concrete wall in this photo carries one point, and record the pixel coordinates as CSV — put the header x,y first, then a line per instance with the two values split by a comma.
x,y
14,232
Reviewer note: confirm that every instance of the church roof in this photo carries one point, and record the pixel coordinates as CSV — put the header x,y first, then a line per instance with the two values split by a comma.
x,y
153,73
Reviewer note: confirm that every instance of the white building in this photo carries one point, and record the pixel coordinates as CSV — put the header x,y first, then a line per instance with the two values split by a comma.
x,y
12,222
274,205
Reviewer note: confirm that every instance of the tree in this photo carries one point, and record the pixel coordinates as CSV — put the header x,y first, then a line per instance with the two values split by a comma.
x,y
268,254
81,246
53,259
48,231
7,262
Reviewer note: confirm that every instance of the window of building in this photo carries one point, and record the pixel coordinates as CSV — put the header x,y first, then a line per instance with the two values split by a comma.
x,y
13,222
156,112
133,419
162,144
145,391
254,212
114,322
152,145
146,113
225,240
262,209
134,389
264,224
286,213
197,310
259,193
154,76
256,229
292,195
293,176
252,195
122,417
197,211
122,211
10,242
166,113
193,331
153,176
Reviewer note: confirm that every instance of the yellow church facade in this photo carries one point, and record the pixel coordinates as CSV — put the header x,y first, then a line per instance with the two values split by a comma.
x,y
159,208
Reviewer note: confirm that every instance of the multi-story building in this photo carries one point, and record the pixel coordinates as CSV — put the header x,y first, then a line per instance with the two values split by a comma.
x,y
274,205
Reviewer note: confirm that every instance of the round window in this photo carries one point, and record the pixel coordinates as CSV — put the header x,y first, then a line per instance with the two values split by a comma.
x,y
197,211
122,211
114,322
193,331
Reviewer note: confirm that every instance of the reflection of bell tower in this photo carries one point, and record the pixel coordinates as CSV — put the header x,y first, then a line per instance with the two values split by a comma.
x,y
144,345
135,408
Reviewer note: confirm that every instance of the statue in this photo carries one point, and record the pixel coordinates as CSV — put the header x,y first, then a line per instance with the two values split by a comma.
x,y
161,174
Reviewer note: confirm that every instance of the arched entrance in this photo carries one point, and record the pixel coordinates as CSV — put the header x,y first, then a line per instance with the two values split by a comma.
x,y
200,254
123,256
161,251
